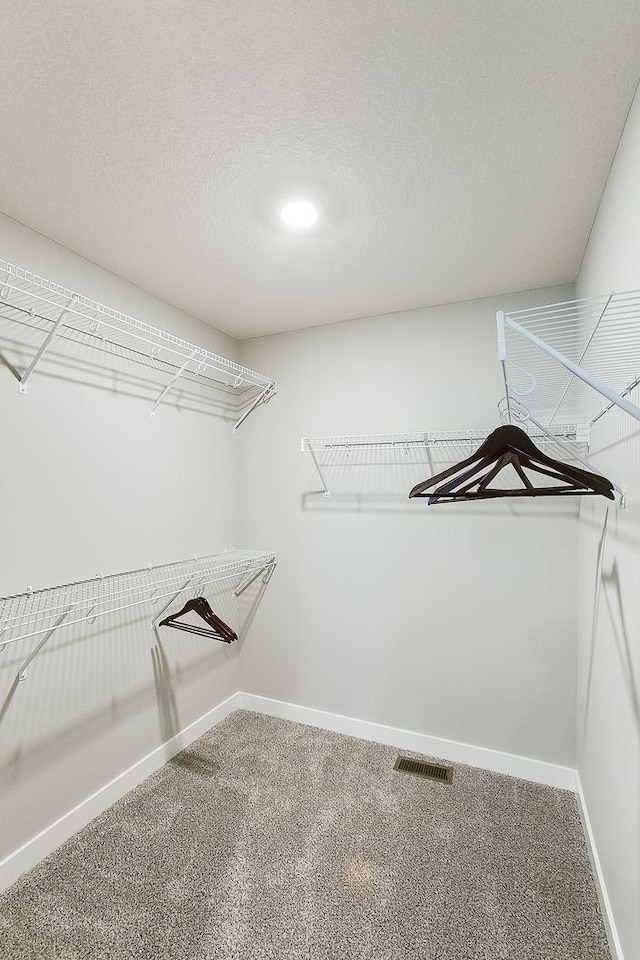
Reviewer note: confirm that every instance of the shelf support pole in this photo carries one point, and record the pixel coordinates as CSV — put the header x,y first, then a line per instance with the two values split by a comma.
x,y
263,397
22,386
171,383
266,568
22,672
577,371
502,357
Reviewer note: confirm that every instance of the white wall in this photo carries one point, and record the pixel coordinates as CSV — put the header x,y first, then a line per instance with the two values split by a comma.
x,y
88,483
455,621
458,622
380,609
609,600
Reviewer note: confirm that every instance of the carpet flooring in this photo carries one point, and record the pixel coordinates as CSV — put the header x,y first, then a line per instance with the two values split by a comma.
x,y
269,839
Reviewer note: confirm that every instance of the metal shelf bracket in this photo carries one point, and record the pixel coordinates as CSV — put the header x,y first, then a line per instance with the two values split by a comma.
x,y
325,488
172,383
22,386
263,397
153,624
265,571
22,671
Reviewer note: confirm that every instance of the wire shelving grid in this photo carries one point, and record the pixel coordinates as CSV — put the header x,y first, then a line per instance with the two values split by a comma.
x,y
434,450
62,314
39,613
569,362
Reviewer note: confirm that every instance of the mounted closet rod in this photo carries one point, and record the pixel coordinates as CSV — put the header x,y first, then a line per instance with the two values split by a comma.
x,y
62,315
40,613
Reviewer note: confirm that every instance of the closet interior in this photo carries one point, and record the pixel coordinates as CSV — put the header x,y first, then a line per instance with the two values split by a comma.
x,y
410,220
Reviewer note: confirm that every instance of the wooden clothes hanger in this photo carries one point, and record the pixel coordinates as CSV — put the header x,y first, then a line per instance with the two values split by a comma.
x,y
217,629
510,446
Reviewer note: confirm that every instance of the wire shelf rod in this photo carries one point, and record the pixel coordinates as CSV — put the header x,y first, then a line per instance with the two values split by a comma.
x,y
134,597
59,312
325,444
414,449
104,312
37,610
210,360
93,341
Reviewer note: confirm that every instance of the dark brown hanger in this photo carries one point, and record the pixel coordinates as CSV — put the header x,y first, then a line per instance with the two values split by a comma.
x,y
510,446
217,629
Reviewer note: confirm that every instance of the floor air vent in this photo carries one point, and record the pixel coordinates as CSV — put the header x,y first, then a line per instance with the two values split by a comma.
x,y
420,768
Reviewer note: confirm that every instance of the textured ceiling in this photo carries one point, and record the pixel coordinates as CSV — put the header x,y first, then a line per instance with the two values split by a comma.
x,y
456,149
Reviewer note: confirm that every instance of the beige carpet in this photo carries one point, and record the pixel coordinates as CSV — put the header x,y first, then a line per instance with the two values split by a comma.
x,y
268,839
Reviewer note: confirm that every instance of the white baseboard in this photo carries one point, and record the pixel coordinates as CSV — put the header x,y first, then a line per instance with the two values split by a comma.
x,y
525,768
605,904
49,839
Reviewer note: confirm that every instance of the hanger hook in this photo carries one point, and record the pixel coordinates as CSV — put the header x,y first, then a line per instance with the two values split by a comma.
x,y
199,587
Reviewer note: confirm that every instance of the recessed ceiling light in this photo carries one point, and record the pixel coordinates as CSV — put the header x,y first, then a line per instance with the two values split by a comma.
x,y
299,214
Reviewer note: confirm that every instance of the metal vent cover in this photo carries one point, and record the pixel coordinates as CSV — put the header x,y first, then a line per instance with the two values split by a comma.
x,y
422,768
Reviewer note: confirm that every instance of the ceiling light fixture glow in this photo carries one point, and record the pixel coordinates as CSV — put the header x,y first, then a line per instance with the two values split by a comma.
x,y
299,214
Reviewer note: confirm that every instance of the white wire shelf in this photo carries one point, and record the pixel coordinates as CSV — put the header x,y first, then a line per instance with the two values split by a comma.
x,y
60,314
39,613
569,362
406,458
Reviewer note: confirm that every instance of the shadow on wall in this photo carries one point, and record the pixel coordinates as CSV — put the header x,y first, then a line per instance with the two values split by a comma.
x,y
379,482
613,598
607,588
315,501
165,696
91,682
124,373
